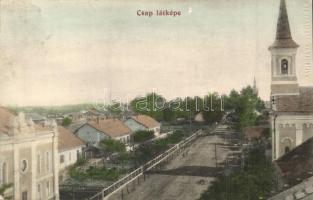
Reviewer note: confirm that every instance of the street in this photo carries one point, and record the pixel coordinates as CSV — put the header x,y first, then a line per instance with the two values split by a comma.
x,y
185,177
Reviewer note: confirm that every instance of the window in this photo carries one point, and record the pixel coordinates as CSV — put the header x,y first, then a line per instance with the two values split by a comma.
x,y
24,165
24,195
38,163
287,149
48,189
61,158
39,191
48,161
77,154
3,173
284,67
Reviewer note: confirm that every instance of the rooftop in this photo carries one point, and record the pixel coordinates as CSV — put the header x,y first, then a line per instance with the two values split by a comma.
x,y
67,140
296,103
297,164
146,121
112,127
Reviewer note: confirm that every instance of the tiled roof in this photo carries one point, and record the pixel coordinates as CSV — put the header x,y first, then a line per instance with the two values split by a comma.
x,y
254,132
146,121
35,116
296,103
67,140
112,127
283,34
297,164
5,117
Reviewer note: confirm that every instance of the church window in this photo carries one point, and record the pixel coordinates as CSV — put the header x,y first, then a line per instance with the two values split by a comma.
x,y
287,149
284,67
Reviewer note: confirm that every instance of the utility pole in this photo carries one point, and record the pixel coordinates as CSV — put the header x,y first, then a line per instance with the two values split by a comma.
x,y
215,155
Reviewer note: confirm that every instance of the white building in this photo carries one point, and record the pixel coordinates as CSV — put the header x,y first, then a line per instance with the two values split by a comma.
x,y
292,105
70,150
28,158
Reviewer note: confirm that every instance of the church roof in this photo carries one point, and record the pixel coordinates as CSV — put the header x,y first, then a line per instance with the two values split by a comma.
x,y
297,164
296,103
283,34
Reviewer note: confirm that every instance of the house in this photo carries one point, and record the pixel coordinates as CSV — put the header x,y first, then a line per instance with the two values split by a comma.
x,y
75,116
292,105
28,157
94,114
295,173
143,122
255,132
93,132
37,118
70,149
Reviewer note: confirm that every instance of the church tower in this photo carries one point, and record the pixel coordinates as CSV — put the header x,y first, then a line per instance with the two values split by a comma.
x,y
283,52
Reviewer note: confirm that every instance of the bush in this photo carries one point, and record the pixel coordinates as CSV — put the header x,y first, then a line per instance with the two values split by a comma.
x,y
66,121
94,173
112,146
142,136
253,182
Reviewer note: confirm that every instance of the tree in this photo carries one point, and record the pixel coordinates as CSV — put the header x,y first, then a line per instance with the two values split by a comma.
x,y
142,136
213,111
66,121
112,146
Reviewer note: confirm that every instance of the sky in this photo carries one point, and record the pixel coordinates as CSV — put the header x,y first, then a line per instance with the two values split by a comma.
x,y
76,51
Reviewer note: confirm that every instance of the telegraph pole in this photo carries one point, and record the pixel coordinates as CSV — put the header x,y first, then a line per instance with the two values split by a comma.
x,y
215,155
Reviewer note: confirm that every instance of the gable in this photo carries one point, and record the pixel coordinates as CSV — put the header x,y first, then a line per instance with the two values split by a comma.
x,y
90,134
134,125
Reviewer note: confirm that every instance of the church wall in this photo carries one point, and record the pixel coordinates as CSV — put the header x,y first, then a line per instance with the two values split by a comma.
x,y
287,137
291,131
307,131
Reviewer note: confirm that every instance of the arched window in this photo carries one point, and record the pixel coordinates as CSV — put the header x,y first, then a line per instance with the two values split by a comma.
x,y
287,149
287,144
284,66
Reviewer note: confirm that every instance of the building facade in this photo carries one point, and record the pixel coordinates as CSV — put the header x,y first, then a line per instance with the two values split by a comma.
x,y
292,105
70,150
28,158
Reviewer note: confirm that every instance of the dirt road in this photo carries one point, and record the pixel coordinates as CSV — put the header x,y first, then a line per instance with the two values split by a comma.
x,y
185,177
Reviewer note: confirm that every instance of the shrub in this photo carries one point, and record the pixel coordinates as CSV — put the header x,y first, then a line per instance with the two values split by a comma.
x,y
142,136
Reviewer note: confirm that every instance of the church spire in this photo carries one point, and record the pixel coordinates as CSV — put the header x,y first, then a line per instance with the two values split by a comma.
x,y
255,88
283,34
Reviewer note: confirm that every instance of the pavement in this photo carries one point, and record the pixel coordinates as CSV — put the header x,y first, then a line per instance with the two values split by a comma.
x,y
185,177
